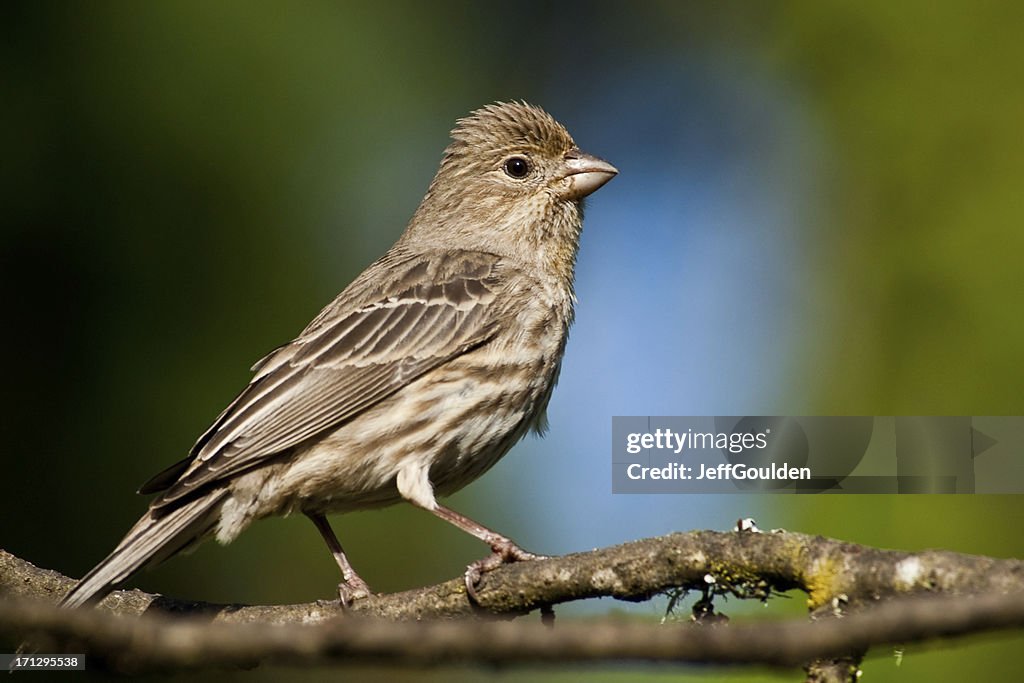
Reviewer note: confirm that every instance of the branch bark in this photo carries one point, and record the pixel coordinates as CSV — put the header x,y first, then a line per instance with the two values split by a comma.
x,y
923,596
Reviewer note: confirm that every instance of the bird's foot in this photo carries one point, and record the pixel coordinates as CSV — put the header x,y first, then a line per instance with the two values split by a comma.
x,y
505,552
351,589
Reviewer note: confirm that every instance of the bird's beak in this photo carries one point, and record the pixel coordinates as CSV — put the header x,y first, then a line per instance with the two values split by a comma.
x,y
586,173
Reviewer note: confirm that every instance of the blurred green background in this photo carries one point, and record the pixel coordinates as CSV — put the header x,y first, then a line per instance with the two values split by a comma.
x,y
819,211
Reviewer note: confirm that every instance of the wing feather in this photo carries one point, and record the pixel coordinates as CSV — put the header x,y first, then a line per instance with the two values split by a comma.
x,y
366,345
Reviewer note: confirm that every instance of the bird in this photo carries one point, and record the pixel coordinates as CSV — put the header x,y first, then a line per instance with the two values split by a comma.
x,y
416,379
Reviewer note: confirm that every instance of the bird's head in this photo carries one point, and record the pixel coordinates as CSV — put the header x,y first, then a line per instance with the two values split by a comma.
x,y
511,180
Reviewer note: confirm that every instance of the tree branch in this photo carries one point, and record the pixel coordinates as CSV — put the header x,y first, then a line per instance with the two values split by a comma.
x,y
158,642
941,594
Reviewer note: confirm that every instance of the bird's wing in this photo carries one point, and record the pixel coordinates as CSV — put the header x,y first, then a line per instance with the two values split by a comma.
x,y
370,342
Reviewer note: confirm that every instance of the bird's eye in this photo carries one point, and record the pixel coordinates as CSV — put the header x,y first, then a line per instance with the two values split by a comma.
x,y
517,167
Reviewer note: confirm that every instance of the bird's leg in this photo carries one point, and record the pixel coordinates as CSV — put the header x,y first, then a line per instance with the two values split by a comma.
x,y
505,550
352,587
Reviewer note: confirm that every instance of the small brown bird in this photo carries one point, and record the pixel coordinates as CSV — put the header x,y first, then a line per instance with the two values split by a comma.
x,y
416,379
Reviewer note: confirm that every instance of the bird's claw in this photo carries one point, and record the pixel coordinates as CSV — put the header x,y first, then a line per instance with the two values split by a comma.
x,y
504,553
351,590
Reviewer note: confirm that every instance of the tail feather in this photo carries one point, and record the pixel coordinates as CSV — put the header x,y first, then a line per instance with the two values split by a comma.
x,y
152,540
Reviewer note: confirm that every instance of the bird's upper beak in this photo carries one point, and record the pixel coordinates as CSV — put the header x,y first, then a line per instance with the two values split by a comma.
x,y
586,173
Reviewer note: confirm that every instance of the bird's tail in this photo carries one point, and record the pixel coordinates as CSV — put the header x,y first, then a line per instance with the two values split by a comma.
x,y
153,539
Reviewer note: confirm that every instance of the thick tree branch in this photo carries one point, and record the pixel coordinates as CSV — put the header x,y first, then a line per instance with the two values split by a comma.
x,y
157,642
957,594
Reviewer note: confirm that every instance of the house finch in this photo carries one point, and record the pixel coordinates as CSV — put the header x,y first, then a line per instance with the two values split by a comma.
x,y
416,379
